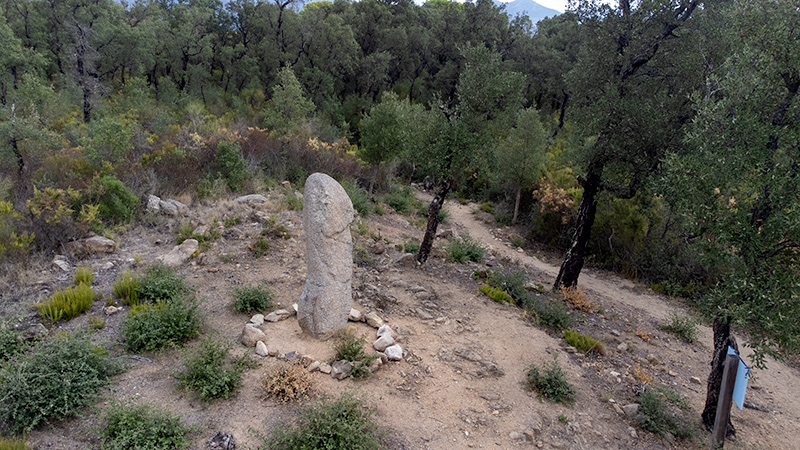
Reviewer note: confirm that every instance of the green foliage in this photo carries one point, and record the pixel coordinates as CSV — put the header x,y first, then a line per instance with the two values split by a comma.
x,y
273,230
259,247
551,383
160,282
359,196
232,221
126,288
212,373
511,280
67,303
583,343
351,348
293,202
96,323
497,294
54,221
464,249
135,427
402,200
116,203
151,327
13,244
10,343
288,108
487,207
183,232
229,164
83,275
109,139
549,313
55,379
13,444
411,246
342,424
683,327
253,299
656,415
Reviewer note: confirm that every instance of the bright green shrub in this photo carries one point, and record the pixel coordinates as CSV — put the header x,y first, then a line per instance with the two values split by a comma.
x,y
230,165
54,222
583,343
551,383
116,203
411,246
83,275
142,427
351,348
512,280
10,344
13,244
465,249
253,299
160,282
167,323
212,373
55,379
13,444
402,200
259,247
126,288
496,294
109,139
67,303
342,424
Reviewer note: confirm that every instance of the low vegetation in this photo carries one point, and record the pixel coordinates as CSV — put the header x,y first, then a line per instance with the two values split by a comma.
x,y
83,275
160,283
578,299
126,288
497,294
583,343
141,426
657,413
683,327
13,444
211,371
550,382
289,383
150,327
351,348
344,424
464,249
67,303
253,299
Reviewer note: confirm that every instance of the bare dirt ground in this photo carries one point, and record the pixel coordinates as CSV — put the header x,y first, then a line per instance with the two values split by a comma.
x,y
461,384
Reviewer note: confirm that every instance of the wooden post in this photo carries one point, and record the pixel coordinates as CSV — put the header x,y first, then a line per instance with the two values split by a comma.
x,y
724,404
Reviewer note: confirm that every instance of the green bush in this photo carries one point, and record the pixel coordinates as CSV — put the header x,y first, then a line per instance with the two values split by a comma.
x,y
126,288
230,165
583,343
167,323
67,303
10,344
253,299
511,280
549,313
351,348
83,275
657,416
497,294
411,246
56,378
14,246
161,283
359,197
464,249
212,373
551,383
116,203
13,444
142,427
683,327
403,200
293,202
259,247
342,424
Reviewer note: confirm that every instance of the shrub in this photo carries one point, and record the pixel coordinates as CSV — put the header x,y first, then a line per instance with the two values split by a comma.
x,y
183,232
487,208
96,323
169,322
259,247
683,327
359,197
551,383
465,249
517,241
343,424
126,288
583,343
656,415
511,280
411,246
13,244
232,221
212,373
443,214
83,275
276,231
253,299
403,200
67,303
496,294
230,165
116,203
56,378
549,313
161,283
288,383
9,341
351,348
134,427
13,444
54,222
578,299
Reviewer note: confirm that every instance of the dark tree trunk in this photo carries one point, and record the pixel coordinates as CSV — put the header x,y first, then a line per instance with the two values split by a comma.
x,y
722,339
433,223
573,260
516,207
564,101
23,188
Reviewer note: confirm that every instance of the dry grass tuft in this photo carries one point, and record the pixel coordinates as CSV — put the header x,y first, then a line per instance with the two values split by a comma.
x,y
578,299
288,383
644,335
641,375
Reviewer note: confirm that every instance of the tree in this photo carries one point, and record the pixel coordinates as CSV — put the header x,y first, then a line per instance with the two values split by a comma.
x,y
521,157
630,101
739,186
288,108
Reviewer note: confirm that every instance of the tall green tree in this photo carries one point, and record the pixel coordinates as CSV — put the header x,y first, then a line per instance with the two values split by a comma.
x,y
289,107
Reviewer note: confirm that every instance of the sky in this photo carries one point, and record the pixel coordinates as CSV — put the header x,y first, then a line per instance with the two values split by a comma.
x,y
558,5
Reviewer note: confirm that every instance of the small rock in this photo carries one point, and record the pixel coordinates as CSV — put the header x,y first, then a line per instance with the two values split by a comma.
x,y
631,410
252,199
355,315
180,253
622,347
696,380
291,355
278,315
261,349
375,365
222,441
616,332
294,309
168,208
394,352
108,265
153,203
672,373
109,310
383,342
180,206
571,349
257,320
374,320
286,184
423,314
94,244
653,359
632,432
384,329
417,290
405,260
60,262
618,409
325,368
379,247
614,374
250,335
341,369
314,366
514,436
201,230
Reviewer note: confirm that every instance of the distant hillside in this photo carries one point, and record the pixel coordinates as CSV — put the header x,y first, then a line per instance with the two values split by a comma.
x,y
535,11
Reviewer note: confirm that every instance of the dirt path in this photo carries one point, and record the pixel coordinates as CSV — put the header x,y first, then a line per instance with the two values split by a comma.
x,y
772,389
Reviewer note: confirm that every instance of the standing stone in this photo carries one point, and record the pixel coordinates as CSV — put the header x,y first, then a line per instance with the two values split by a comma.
x,y
325,303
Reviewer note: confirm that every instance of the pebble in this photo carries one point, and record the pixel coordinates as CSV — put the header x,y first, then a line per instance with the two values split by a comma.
x,y
257,320
394,352
261,349
325,368
696,380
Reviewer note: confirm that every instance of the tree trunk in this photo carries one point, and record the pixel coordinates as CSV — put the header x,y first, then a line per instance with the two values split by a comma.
x,y
516,207
564,100
433,223
722,339
573,260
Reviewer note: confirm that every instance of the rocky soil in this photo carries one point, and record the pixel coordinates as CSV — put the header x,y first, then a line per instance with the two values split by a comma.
x,y
460,383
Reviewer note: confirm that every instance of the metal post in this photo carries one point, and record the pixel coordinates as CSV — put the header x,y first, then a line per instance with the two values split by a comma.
x,y
724,402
